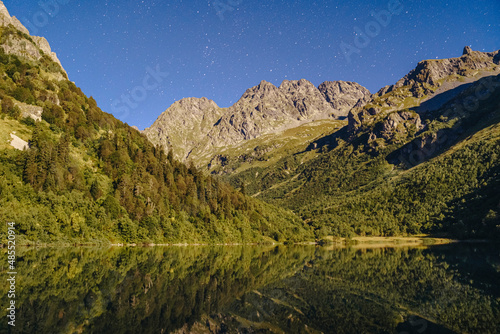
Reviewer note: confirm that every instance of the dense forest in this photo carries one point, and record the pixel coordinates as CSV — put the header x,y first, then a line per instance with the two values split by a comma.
x,y
88,177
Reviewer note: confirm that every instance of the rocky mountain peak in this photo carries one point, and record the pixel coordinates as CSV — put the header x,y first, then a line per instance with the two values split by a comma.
x,y
184,125
306,98
6,19
344,95
264,86
187,109
21,46
196,104
265,83
262,90
432,72
196,127
3,10
431,84
300,87
288,85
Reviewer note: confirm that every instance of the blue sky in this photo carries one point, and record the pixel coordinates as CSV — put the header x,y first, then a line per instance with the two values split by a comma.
x,y
138,57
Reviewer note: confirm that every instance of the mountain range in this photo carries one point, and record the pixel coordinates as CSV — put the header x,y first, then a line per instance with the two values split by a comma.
x,y
197,128
283,164
343,159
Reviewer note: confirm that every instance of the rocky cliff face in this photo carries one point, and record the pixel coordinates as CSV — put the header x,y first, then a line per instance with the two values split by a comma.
x,y
31,47
430,72
261,110
197,129
266,108
343,96
6,19
429,86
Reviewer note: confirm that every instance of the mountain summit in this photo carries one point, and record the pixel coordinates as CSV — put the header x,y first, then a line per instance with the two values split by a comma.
x,y
263,109
420,155
22,44
429,86
210,136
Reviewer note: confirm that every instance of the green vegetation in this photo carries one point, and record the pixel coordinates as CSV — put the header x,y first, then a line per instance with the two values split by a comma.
x,y
88,177
267,150
359,186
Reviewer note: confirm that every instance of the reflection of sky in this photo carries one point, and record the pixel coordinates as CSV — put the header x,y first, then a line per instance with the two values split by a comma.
x,y
218,49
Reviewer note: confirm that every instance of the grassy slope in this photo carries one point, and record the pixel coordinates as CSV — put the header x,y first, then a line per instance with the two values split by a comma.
x,y
267,150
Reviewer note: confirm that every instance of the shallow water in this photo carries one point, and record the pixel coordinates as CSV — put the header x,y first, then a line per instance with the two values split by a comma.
x,y
251,289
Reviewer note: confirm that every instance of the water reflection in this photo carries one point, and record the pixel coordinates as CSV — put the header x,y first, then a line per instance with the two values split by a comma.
x,y
299,289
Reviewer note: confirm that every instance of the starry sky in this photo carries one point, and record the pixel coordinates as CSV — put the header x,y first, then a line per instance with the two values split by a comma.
x,y
137,57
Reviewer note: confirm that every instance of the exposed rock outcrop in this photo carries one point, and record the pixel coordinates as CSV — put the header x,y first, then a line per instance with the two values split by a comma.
x,y
200,128
28,110
18,143
430,72
399,124
344,95
266,108
184,125
429,79
31,47
261,110
6,19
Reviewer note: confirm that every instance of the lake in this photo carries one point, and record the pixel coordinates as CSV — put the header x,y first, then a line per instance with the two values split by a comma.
x,y
257,289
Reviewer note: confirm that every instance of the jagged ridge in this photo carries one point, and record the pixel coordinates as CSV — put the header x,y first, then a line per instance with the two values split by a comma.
x,y
261,110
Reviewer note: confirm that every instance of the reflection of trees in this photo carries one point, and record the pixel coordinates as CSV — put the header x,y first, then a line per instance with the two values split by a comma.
x,y
131,290
254,289
380,291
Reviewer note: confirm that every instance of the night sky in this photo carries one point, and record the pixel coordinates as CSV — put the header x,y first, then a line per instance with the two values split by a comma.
x,y
138,57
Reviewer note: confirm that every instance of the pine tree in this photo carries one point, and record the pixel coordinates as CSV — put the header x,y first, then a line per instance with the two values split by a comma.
x,y
95,191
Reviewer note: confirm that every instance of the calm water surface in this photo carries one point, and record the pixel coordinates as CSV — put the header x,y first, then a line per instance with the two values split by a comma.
x,y
297,289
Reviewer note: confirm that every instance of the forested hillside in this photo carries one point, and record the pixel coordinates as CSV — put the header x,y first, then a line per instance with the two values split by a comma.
x,y
88,177
419,156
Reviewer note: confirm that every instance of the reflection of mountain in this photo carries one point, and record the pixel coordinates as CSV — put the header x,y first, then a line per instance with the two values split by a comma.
x,y
153,290
296,289
438,290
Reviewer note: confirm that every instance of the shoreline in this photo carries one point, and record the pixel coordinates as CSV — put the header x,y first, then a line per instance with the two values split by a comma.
x,y
381,242
330,242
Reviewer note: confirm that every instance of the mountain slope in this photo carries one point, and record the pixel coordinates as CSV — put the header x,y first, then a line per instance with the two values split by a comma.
x,y
402,164
87,177
353,175
185,125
